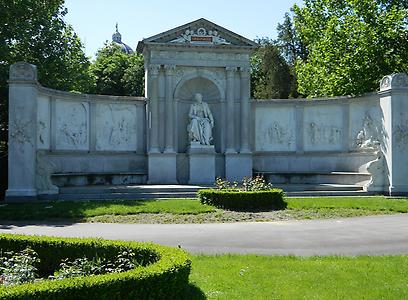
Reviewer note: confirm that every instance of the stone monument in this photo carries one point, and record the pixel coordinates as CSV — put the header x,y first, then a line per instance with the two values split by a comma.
x,y
198,58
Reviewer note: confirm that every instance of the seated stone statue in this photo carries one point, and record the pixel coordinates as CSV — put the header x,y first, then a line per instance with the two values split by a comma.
x,y
201,122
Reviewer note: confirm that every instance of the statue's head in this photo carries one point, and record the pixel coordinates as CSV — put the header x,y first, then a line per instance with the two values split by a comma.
x,y
198,97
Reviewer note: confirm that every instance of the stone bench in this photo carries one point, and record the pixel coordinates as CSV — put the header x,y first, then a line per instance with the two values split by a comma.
x,y
98,178
301,177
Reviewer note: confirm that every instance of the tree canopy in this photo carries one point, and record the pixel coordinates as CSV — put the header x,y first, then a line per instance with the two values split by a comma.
x,y
351,44
118,73
35,31
270,74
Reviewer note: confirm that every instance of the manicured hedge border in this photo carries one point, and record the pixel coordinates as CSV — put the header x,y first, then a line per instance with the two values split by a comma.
x,y
164,274
244,200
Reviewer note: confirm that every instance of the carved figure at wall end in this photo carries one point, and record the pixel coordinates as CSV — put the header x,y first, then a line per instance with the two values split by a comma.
x,y
45,168
376,168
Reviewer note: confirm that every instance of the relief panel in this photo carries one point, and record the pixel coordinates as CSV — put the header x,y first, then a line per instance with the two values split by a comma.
x,y
43,123
323,128
275,129
72,125
116,127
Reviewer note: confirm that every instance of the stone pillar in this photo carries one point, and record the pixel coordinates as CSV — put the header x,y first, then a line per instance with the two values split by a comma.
x,y
22,132
230,110
153,94
245,110
169,132
161,166
394,106
238,165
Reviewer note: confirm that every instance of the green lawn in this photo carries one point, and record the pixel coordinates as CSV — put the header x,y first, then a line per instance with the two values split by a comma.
x,y
192,211
82,210
278,277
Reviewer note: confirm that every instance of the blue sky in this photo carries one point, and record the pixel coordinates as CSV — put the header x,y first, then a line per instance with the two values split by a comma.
x,y
94,20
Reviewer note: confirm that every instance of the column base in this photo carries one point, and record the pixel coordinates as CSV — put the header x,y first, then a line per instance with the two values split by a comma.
x,y
162,168
238,166
202,164
21,195
398,190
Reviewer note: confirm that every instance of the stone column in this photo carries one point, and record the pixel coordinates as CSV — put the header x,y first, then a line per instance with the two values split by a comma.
x,y
169,131
394,107
238,165
153,94
22,148
230,110
245,110
162,167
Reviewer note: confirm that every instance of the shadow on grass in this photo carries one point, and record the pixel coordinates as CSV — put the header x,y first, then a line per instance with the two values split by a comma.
x,y
58,213
193,292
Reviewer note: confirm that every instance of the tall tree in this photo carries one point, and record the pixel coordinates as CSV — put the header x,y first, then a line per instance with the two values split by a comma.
x,y
118,73
351,44
270,74
35,31
292,49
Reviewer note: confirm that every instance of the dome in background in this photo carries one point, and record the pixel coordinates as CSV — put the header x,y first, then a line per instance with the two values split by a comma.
x,y
117,39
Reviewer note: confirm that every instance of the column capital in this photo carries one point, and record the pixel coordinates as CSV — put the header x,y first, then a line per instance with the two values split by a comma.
x,y
169,69
394,81
154,70
244,71
231,70
22,71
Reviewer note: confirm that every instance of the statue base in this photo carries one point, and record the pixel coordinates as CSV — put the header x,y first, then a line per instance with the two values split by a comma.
x,y
202,164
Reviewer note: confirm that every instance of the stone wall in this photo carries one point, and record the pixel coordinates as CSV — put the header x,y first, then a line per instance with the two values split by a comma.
x,y
66,138
313,135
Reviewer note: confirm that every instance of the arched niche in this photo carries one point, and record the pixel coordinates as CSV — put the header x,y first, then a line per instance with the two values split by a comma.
x,y
184,97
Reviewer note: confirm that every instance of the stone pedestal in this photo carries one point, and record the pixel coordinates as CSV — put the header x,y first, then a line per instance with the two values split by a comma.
x,y
22,132
202,164
162,168
394,108
238,166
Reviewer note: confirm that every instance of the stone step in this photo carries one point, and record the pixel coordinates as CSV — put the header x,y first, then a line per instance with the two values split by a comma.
x,y
318,187
124,196
184,191
132,189
347,178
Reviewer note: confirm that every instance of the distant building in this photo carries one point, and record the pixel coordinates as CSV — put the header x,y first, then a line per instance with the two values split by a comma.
x,y
117,39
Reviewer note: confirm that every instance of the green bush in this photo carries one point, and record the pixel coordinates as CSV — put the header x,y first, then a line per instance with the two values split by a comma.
x,y
235,199
163,272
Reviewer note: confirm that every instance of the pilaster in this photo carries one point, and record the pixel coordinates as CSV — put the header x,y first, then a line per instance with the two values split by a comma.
x,y
22,148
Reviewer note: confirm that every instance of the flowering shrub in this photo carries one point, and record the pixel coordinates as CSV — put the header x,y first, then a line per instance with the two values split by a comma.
x,y
18,267
257,183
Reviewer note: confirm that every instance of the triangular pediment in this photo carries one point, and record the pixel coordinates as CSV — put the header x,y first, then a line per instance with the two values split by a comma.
x,y
199,33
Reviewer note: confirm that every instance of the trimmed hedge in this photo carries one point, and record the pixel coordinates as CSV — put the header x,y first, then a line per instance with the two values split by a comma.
x,y
163,273
244,200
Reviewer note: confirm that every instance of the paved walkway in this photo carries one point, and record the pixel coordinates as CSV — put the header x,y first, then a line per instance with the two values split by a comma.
x,y
376,235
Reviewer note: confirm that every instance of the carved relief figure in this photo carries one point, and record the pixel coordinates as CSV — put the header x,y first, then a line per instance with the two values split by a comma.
x,y
74,129
279,135
201,122
45,168
376,169
321,134
367,138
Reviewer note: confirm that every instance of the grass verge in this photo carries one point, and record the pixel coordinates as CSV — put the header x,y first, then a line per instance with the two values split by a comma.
x,y
192,211
274,277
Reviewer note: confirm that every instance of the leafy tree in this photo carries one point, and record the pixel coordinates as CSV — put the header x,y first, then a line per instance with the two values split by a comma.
x,y
270,74
351,44
35,31
291,48
118,73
